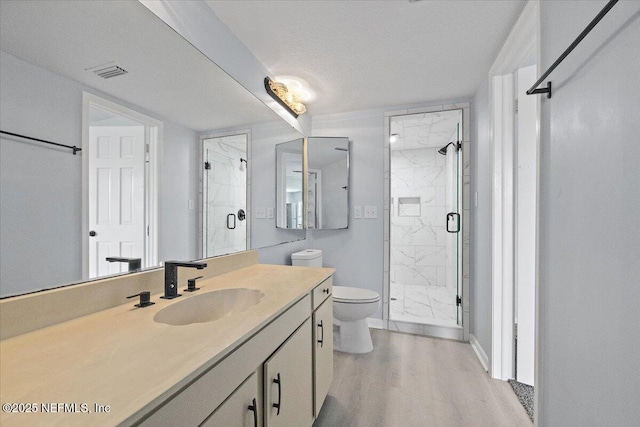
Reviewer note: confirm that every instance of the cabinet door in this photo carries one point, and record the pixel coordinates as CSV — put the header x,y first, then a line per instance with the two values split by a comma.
x,y
288,382
240,409
322,352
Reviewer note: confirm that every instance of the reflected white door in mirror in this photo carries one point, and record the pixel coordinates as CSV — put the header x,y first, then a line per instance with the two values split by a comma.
x,y
120,208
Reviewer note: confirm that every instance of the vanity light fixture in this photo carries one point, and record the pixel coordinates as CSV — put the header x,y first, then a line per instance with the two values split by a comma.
x,y
284,97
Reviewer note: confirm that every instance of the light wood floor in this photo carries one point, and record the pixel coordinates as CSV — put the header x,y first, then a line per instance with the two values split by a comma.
x,y
410,381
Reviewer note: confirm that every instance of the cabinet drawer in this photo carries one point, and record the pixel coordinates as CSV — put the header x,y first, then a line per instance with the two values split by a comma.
x,y
288,382
322,291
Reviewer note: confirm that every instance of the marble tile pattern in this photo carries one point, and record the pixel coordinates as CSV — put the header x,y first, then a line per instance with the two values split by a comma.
x,y
421,263
225,193
418,214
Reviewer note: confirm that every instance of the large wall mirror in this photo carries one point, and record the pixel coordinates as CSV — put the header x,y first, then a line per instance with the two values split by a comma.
x,y
145,106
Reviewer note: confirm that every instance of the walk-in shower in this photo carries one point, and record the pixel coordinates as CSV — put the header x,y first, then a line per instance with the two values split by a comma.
x,y
425,219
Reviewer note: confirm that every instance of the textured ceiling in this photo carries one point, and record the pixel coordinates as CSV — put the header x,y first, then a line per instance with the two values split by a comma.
x,y
364,54
166,75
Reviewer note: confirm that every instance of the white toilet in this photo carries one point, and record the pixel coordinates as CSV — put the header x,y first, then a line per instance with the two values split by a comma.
x,y
351,307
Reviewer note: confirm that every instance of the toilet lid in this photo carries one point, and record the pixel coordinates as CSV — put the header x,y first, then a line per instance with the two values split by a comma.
x,y
354,295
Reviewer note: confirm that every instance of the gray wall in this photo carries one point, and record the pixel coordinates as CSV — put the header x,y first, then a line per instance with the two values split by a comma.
x,y
41,187
356,252
179,183
264,138
480,253
589,343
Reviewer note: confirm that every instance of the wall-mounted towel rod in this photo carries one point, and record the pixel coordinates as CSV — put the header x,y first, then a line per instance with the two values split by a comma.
x,y
576,42
74,148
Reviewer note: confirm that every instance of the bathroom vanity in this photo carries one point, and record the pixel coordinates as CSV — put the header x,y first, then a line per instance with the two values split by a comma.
x,y
269,364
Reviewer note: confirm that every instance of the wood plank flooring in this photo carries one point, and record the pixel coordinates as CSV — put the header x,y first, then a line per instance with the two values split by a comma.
x,y
410,380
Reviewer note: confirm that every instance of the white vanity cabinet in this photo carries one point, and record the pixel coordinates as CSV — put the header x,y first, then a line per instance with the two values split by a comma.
x,y
241,409
288,382
283,372
322,353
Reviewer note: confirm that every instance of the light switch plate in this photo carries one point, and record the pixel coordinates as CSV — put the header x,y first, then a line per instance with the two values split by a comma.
x,y
270,213
370,212
357,212
261,213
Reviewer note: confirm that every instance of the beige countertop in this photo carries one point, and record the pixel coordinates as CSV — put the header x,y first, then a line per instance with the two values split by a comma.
x,y
121,358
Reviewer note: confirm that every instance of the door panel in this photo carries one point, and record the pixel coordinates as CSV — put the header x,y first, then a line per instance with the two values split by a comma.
x,y
323,352
288,382
116,196
224,195
235,412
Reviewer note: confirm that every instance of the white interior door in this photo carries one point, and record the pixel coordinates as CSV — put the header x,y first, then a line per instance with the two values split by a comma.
x,y
116,196
525,222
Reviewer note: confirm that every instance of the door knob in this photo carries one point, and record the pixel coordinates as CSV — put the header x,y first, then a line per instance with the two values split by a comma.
x,y
93,233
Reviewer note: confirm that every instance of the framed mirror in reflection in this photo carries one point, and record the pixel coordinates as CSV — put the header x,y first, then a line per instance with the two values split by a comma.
x,y
289,185
114,79
328,183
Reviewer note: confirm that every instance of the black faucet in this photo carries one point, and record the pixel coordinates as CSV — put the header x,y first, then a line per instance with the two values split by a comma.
x,y
134,263
171,276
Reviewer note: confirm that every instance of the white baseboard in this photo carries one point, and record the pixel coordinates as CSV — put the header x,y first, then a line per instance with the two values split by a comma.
x,y
375,323
477,348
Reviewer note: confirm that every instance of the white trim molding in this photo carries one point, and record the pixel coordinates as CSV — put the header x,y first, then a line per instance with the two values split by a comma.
x,y
477,348
519,49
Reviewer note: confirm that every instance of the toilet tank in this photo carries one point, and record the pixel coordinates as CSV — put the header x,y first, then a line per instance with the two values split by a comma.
x,y
307,258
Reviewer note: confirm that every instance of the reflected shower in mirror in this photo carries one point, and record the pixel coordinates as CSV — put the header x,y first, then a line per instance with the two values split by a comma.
x,y
328,183
289,185
224,194
66,76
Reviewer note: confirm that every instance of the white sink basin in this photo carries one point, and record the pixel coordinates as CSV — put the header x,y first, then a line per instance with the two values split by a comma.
x,y
209,306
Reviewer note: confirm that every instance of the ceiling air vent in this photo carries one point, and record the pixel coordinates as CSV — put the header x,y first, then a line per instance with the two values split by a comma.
x,y
113,71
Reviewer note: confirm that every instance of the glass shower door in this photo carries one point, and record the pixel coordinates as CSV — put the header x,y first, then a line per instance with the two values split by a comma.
x,y
454,223
224,195
425,277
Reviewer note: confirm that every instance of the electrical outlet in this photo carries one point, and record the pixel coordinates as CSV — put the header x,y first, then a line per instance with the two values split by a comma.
x,y
261,213
357,212
270,213
370,212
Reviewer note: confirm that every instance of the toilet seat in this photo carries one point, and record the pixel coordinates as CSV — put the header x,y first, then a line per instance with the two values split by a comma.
x,y
350,295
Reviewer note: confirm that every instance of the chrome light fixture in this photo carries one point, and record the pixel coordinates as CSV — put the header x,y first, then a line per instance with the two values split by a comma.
x,y
284,97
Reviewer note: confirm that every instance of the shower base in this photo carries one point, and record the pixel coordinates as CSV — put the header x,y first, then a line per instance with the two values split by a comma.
x,y
432,305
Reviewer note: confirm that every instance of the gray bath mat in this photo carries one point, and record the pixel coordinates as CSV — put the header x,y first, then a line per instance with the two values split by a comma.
x,y
525,395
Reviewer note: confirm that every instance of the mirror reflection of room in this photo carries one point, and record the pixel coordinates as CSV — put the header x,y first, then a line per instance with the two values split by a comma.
x,y
289,185
328,183
138,117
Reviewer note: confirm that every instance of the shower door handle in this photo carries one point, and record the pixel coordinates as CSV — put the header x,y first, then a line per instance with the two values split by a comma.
x,y
453,216
234,221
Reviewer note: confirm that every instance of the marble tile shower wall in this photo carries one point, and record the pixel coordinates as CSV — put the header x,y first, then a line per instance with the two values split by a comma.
x,y
226,194
419,206
466,174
